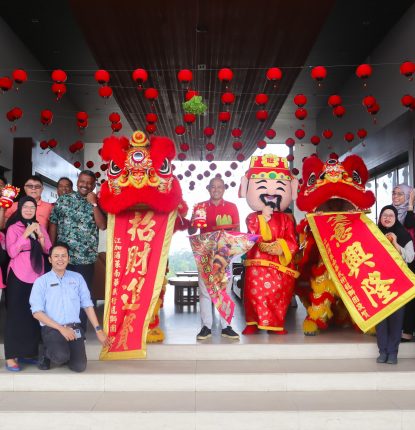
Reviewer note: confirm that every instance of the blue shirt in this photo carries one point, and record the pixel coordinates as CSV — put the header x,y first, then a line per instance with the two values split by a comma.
x,y
60,298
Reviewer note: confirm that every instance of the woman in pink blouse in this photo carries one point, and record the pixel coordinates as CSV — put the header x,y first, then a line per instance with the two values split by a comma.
x,y
26,242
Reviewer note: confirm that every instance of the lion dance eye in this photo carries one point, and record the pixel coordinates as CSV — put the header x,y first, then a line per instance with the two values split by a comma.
x,y
356,177
138,156
311,179
114,170
165,168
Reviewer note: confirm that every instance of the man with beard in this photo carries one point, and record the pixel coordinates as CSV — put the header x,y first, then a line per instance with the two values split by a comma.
x,y
269,188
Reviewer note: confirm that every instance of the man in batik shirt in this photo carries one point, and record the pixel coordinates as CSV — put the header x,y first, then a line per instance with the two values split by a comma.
x,y
75,220
269,188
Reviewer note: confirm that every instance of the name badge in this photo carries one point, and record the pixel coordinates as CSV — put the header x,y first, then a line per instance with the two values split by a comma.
x,y
53,285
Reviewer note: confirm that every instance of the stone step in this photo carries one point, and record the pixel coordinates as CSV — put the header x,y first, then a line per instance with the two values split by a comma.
x,y
309,348
216,376
367,410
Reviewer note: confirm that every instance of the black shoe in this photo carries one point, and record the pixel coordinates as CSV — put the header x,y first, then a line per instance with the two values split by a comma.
x,y
392,359
382,357
229,333
44,363
204,333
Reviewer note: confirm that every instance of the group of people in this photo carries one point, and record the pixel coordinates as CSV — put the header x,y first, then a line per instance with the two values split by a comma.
x,y
50,305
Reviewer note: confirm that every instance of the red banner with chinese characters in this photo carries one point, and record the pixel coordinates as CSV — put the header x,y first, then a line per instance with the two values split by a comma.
x,y
372,278
138,243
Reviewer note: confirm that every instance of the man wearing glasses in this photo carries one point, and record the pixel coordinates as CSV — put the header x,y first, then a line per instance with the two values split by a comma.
x,y
33,187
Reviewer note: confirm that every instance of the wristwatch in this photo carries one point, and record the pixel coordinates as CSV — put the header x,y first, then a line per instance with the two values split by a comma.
x,y
98,328
95,205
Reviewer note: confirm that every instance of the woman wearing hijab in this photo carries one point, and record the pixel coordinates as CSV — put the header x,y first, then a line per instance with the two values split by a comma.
x,y
26,242
403,199
389,330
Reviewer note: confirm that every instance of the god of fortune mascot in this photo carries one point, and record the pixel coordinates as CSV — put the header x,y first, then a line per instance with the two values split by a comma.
x,y
145,205
269,187
330,186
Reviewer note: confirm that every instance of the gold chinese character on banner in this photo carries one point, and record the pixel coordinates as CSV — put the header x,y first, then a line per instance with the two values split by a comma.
x,y
126,329
373,286
354,257
135,287
142,226
137,259
342,233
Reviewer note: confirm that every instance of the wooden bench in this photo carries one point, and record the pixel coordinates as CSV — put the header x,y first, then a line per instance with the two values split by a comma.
x,y
186,291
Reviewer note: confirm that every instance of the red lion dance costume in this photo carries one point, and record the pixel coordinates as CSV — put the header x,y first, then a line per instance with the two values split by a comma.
x,y
145,205
326,187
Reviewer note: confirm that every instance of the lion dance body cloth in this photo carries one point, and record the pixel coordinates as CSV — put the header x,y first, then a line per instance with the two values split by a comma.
x,y
145,206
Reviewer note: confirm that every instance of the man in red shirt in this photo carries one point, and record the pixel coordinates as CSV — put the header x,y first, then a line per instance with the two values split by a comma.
x,y
220,214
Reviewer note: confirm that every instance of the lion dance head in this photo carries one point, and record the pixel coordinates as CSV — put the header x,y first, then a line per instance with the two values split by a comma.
x,y
334,186
140,173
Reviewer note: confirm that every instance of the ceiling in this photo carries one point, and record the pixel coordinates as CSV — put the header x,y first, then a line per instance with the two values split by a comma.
x,y
202,35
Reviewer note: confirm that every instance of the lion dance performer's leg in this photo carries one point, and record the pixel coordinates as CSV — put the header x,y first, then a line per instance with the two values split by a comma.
x,y
155,333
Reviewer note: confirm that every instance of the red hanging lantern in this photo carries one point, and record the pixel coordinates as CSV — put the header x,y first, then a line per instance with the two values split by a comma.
x,y
46,117
339,111
105,92
407,69
59,76
210,146
301,113
261,144
97,175
270,133
5,83
209,157
82,125
224,117
104,167
290,157
181,156
274,74
237,145
334,100
116,127
228,98
184,147
315,140
228,174
140,76
300,133
261,99
189,118
151,128
300,100
114,117
318,73
290,142
14,115
77,164
240,157
407,100
151,94
349,137
190,94
262,115
236,132
89,164
364,71
185,76
208,131
43,144
19,76
59,90
82,117
152,118
233,165
78,145
180,130
225,75
373,110
52,143
328,134
368,101
362,133
102,77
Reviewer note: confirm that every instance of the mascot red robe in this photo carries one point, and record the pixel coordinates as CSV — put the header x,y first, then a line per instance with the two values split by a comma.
x,y
145,205
269,188
332,186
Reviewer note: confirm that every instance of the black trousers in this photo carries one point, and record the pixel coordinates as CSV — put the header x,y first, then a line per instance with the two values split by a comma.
x,y
388,333
87,271
61,351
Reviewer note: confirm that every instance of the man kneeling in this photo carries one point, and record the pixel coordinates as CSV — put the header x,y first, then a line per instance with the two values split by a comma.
x,y
55,301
